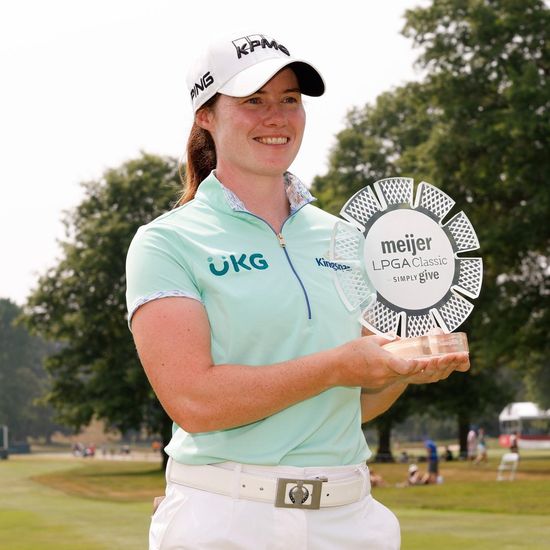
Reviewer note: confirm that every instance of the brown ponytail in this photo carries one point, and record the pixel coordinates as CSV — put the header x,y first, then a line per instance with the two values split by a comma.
x,y
201,158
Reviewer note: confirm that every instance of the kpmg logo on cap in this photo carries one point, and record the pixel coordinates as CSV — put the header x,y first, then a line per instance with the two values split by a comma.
x,y
248,44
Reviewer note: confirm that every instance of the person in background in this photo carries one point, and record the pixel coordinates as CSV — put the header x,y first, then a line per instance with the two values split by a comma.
x,y
244,337
481,447
404,457
433,460
415,477
471,442
514,448
376,480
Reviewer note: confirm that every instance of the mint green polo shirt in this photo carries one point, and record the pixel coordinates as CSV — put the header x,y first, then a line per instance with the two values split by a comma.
x,y
269,298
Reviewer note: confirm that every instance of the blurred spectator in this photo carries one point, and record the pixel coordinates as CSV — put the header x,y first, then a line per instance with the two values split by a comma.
x,y
376,480
90,450
448,454
481,447
471,441
514,443
417,478
433,460
78,449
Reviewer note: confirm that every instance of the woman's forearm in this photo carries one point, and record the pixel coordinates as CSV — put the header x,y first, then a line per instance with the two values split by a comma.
x,y
374,403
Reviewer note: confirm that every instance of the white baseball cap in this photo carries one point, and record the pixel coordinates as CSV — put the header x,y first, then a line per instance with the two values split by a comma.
x,y
413,468
239,66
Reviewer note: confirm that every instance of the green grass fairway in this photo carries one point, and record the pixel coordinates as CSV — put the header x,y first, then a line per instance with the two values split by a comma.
x,y
83,504
35,516
444,530
471,509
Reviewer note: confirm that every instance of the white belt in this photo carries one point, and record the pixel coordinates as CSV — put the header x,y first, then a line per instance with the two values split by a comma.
x,y
282,492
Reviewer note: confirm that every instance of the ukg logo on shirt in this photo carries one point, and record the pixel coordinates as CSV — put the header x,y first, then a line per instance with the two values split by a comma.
x,y
237,263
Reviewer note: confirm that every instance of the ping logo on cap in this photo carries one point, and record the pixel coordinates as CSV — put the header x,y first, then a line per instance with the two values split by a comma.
x,y
247,44
205,81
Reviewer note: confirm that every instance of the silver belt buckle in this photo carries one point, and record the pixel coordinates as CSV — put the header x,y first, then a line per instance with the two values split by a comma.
x,y
304,494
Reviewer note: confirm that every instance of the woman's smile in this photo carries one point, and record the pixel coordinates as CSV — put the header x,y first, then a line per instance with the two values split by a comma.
x,y
273,140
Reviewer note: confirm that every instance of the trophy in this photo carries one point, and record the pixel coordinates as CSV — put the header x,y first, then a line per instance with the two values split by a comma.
x,y
402,267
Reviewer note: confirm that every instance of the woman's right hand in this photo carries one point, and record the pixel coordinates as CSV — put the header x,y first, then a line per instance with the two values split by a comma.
x,y
368,365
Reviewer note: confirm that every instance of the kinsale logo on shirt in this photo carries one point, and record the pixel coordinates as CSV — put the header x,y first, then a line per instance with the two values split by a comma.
x,y
237,263
337,266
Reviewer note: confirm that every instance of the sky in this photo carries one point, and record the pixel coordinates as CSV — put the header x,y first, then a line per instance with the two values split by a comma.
x,y
88,85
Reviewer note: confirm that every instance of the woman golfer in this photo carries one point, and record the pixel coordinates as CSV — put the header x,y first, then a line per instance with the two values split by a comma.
x,y
244,338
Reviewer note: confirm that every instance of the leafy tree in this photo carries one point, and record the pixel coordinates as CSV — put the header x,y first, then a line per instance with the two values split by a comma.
x,y
489,64
376,143
23,380
81,301
488,68
476,126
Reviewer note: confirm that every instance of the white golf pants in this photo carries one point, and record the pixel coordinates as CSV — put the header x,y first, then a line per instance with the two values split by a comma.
x,y
194,519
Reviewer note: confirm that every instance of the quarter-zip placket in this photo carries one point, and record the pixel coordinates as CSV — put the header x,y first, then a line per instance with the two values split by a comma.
x,y
282,244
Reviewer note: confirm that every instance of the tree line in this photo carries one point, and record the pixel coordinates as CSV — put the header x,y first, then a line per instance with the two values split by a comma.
x,y
23,380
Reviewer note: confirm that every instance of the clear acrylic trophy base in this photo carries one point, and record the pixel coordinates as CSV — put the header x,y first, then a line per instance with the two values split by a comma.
x,y
429,345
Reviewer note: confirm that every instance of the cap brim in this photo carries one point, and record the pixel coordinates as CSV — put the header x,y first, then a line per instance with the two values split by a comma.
x,y
253,78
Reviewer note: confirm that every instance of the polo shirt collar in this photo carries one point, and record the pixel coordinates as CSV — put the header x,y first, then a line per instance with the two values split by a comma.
x,y
297,193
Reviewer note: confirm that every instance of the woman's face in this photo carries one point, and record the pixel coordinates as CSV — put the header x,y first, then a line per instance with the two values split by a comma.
x,y
259,134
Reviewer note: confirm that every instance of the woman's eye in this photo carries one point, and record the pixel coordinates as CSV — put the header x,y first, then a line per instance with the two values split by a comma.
x,y
290,99
253,100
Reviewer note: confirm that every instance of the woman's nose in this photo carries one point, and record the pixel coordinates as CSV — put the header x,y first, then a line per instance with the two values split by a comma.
x,y
274,115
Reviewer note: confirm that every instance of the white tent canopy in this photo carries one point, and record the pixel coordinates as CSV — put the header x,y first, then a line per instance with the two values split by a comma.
x,y
525,409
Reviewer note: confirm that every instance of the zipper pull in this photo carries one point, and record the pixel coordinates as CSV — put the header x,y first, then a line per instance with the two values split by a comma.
x,y
282,241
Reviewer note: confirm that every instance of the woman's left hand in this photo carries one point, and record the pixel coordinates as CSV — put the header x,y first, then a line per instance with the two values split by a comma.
x,y
439,367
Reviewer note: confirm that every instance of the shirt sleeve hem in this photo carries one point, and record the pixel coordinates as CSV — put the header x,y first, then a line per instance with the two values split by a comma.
x,y
157,296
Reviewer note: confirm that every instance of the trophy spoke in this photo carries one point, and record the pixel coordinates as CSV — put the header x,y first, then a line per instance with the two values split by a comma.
x,y
395,191
352,284
347,242
419,325
470,276
381,319
354,289
453,312
434,200
462,232
361,207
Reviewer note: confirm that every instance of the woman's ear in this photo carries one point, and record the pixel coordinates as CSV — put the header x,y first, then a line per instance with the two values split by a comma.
x,y
203,118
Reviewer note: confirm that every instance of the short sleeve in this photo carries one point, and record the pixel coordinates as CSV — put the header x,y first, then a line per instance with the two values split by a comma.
x,y
156,268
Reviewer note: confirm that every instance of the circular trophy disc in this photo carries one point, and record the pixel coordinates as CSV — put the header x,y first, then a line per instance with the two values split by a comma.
x,y
406,274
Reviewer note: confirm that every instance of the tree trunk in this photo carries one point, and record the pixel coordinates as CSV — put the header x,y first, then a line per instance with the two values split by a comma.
x,y
383,454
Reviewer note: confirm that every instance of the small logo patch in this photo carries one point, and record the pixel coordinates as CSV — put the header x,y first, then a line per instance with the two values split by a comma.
x,y
322,262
